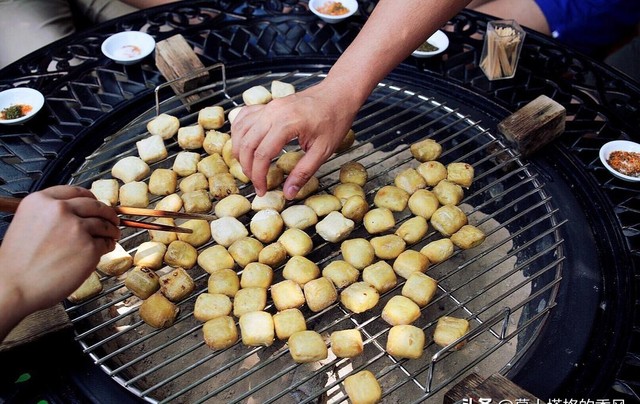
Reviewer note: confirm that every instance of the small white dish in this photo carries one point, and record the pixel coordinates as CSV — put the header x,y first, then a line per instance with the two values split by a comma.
x,y
439,39
618,145
21,96
315,5
128,47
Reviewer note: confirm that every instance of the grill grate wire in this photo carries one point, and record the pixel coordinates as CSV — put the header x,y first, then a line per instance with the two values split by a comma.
x,y
507,200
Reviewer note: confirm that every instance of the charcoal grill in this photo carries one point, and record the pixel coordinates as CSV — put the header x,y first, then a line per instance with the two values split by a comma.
x,y
559,225
506,288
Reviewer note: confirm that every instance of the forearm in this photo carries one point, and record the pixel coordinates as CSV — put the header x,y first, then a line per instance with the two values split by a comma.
x,y
393,31
11,304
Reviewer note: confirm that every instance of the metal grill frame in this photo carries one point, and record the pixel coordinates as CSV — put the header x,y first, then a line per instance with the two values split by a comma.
x,y
505,159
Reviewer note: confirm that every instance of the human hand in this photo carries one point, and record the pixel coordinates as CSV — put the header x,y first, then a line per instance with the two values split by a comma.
x,y
316,116
54,242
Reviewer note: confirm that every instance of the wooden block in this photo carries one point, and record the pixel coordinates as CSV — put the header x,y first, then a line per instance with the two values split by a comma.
x,y
498,388
175,59
534,125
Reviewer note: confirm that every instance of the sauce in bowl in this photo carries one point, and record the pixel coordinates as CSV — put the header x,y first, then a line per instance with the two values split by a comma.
x,y
15,111
333,8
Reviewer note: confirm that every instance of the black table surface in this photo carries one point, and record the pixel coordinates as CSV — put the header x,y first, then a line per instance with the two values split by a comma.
x,y
84,89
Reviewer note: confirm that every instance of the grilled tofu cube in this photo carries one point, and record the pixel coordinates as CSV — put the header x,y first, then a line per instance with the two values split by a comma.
x,y
220,332
194,182
234,205
225,281
273,255
460,173
289,160
426,150
420,288
88,289
142,282
212,165
363,388
222,185
468,237
163,182
211,305
134,194
354,208
256,275
201,232
181,254
358,252
266,225
247,300
106,191
245,250
214,141
256,95
270,200
438,250
280,89
158,311
413,230
410,180
307,189
296,242
211,117
448,219
275,177
171,203
448,193
320,293
341,273
115,262
186,163
164,125
346,343
161,236
347,190
450,329
433,172
410,261
215,257
307,346
381,276
405,341
392,198
150,254
353,172
257,328
388,247
323,204
226,230
287,322
177,284
379,220
300,270
129,169
335,227
191,137
287,295
359,297
152,149
299,217
197,201
400,310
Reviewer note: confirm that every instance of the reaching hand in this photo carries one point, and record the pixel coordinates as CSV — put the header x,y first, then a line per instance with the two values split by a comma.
x,y
315,116
55,240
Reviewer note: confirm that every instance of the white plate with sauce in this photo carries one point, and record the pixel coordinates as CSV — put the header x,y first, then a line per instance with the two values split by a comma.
x,y
29,101
439,40
317,5
618,145
128,47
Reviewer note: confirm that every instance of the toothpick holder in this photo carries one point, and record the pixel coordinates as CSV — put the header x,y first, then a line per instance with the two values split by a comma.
x,y
501,51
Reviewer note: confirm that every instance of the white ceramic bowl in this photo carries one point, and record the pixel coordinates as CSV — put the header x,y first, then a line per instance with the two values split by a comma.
x,y
352,5
439,39
21,96
622,145
128,47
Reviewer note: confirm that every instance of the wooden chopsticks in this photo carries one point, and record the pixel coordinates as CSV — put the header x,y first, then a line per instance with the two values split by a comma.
x,y
8,204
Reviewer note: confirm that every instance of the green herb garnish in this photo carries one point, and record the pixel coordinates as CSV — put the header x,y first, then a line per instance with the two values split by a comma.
x,y
12,112
427,47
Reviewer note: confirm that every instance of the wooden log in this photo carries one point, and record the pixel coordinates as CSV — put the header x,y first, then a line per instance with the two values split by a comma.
x,y
534,125
36,325
175,59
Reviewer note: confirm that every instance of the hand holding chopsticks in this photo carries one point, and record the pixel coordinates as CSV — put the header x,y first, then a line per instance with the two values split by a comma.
x,y
8,204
